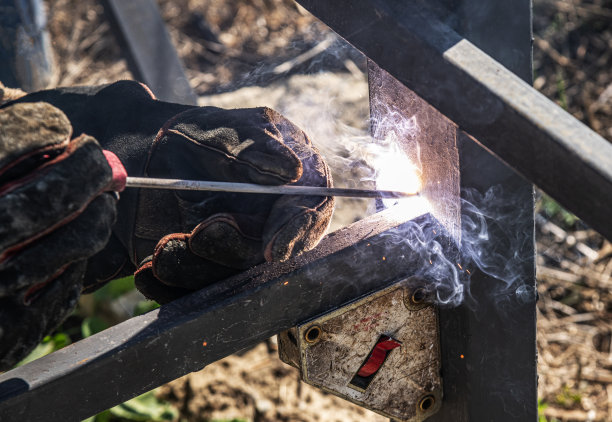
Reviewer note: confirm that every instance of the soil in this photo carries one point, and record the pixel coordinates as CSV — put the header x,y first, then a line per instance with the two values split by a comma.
x,y
231,49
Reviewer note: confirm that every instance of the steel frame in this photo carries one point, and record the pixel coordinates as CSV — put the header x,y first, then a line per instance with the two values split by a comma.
x,y
181,337
433,51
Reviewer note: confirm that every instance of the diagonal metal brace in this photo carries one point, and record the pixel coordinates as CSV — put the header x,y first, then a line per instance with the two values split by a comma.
x,y
144,352
151,55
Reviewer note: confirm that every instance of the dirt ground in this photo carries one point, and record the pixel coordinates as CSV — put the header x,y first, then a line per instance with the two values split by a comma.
x,y
231,49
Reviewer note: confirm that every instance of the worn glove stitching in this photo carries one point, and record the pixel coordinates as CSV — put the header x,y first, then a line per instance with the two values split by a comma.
x,y
24,157
34,291
225,218
40,171
230,157
160,133
12,250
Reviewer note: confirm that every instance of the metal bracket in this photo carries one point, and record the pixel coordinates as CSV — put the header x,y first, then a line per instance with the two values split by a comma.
x,y
402,380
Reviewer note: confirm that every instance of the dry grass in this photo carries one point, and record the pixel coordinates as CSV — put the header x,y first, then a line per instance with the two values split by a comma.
x,y
574,323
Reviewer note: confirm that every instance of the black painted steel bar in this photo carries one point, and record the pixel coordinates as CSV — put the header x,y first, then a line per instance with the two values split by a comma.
x,y
488,346
503,113
146,351
152,56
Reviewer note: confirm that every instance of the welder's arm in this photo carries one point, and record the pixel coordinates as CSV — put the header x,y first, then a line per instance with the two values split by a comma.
x,y
181,241
56,210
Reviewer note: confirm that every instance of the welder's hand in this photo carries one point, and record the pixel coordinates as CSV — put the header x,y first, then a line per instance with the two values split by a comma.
x,y
182,241
52,218
215,235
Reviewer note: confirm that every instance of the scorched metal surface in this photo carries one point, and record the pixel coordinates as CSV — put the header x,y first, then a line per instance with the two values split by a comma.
x,y
533,135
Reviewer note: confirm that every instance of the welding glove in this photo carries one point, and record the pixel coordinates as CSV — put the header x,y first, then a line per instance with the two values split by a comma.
x,y
53,216
181,241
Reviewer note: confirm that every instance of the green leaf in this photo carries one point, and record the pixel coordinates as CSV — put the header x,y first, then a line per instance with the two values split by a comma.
x,y
561,94
41,350
553,210
100,417
229,420
60,340
47,345
145,306
92,325
114,289
145,408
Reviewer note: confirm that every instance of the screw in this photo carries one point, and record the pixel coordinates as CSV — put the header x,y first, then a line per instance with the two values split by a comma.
x,y
426,403
312,334
418,296
416,299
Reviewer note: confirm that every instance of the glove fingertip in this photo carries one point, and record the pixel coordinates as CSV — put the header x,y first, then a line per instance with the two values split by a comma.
x,y
300,233
154,289
221,240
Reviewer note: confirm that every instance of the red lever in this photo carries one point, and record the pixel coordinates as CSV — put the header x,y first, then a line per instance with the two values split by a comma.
x,y
119,172
378,356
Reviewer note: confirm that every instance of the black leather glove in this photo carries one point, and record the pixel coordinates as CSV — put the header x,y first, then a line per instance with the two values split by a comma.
x,y
53,216
182,241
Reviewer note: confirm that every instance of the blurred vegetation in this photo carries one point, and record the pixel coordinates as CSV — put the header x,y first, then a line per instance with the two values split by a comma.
x,y
555,212
542,406
568,397
113,303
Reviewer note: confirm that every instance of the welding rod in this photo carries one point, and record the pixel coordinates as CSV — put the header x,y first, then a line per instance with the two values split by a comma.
x,y
179,184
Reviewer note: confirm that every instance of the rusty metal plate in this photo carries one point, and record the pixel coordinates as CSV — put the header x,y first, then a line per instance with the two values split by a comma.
x,y
426,136
333,348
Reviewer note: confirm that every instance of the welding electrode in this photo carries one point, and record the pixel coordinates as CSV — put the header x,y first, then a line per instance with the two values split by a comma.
x,y
178,184
121,181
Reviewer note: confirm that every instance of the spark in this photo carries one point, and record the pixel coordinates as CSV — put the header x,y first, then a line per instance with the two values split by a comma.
x,y
205,344
396,172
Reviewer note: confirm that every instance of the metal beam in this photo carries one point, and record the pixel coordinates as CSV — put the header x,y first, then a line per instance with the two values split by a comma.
x,y
146,351
503,113
484,368
151,55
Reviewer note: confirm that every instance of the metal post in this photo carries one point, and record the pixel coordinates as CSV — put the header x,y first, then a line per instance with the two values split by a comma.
x,y
497,377
488,343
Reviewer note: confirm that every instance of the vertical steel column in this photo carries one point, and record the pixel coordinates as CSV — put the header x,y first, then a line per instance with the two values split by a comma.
x,y
488,344
489,349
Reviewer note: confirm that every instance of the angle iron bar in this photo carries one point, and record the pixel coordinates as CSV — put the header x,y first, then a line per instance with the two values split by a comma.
x,y
505,115
144,352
